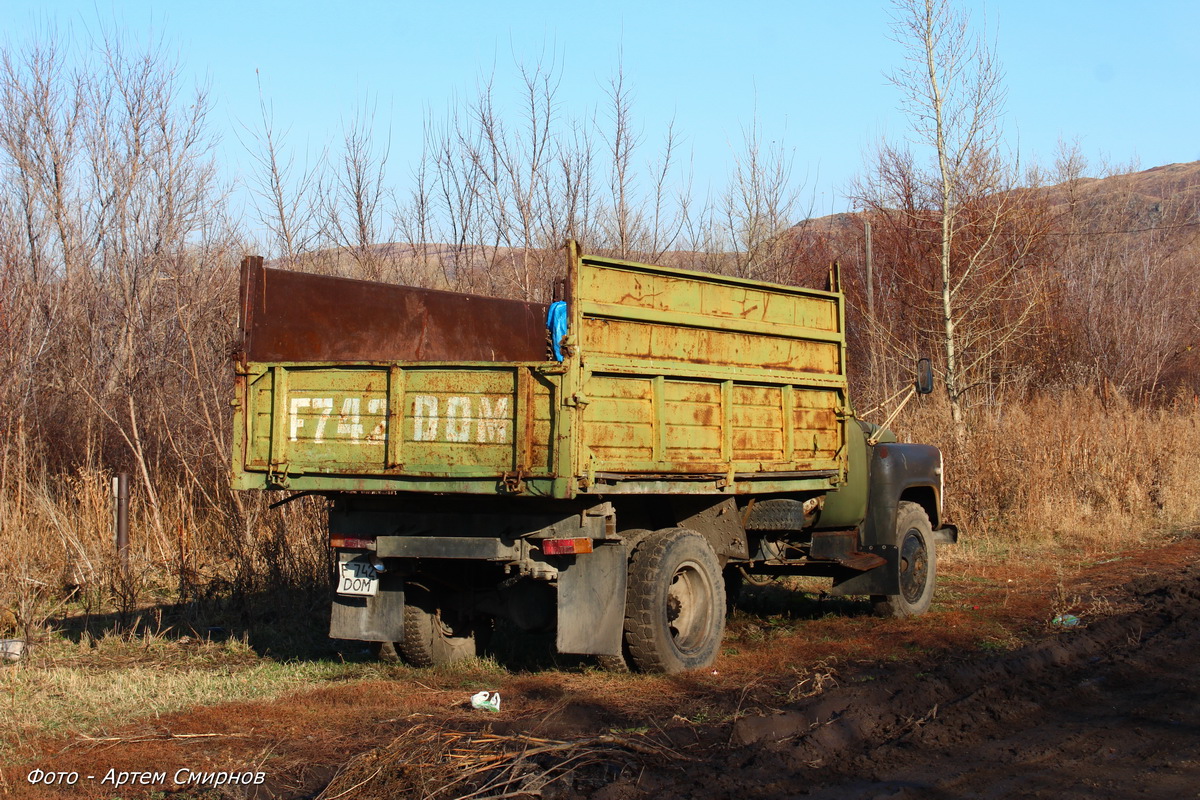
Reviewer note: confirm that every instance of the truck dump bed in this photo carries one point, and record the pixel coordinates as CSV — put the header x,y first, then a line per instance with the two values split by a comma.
x,y
671,381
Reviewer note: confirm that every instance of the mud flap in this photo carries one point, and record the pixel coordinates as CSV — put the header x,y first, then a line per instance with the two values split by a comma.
x,y
591,601
372,619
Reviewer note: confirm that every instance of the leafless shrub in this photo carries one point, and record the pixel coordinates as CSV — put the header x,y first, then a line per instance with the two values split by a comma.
x,y
117,292
1127,315
287,195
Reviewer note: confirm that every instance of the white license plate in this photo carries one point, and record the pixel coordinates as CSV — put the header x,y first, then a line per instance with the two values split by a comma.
x,y
356,576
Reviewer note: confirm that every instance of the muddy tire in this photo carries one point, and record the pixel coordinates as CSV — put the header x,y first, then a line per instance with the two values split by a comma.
x,y
613,663
384,651
734,584
917,565
432,637
675,603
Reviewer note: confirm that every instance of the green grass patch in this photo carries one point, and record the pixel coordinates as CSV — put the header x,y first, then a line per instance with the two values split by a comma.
x,y
86,687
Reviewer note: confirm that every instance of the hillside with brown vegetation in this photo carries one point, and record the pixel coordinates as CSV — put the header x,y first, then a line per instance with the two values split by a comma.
x,y
1102,296
1140,196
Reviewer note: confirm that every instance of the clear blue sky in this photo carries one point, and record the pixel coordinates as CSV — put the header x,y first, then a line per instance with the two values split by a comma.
x,y
1121,78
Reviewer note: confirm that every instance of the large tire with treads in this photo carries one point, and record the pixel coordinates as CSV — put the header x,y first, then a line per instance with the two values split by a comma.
x,y
675,603
776,514
432,637
916,565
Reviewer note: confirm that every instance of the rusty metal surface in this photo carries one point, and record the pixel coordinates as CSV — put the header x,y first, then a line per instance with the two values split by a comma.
x,y
674,382
842,547
293,316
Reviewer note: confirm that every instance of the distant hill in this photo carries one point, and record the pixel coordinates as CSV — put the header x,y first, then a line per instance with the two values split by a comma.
x,y
1160,196
1155,184
1166,195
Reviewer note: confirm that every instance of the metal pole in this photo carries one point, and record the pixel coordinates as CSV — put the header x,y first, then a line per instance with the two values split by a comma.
x,y
870,276
872,333
123,519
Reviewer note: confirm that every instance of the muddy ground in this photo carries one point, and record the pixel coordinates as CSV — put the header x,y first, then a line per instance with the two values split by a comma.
x,y
982,698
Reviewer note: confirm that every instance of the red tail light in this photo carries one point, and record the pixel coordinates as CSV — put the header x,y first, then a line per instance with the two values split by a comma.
x,y
564,547
354,544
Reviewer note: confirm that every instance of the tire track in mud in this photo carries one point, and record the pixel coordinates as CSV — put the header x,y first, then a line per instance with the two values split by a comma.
x,y
1111,709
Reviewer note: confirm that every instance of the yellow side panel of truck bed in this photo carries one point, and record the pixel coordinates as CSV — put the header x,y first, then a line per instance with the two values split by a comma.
x,y
670,381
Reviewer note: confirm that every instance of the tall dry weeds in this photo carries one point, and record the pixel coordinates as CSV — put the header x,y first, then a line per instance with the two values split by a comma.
x,y
58,536
1069,469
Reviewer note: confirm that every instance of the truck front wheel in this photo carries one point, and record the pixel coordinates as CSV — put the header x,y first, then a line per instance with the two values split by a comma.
x,y
431,636
916,563
675,602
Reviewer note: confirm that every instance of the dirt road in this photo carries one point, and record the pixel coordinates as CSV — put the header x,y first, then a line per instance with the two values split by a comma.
x,y
1111,709
981,699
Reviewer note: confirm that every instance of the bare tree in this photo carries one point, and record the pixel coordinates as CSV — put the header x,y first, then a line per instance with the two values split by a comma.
x,y
106,171
670,203
623,216
758,206
952,91
287,195
441,221
353,199
499,197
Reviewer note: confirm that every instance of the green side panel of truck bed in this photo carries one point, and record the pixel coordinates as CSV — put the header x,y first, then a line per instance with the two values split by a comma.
x,y
673,381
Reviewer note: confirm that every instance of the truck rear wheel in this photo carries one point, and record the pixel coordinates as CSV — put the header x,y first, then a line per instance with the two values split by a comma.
x,y
675,603
613,663
431,636
917,565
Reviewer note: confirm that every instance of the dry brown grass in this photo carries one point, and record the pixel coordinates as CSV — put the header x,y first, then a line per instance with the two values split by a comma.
x,y
1067,470
436,762
61,563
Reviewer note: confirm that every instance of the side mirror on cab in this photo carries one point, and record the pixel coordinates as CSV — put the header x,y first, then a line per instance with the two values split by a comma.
x,y
924,376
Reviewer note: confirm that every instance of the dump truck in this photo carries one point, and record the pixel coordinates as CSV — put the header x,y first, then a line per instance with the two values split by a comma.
x,y
607,467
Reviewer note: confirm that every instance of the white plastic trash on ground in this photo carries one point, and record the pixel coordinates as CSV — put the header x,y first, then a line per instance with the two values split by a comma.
x,y
486,701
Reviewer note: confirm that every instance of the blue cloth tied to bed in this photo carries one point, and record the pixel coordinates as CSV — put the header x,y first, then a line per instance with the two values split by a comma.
x,y
556,321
